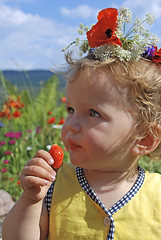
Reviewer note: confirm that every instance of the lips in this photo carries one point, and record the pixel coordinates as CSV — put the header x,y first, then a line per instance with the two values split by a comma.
x,y
73,145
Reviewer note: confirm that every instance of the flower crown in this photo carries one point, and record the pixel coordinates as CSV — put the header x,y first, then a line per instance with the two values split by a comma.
x,y
110,38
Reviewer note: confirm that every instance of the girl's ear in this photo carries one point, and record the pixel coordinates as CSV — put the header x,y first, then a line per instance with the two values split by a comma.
x,y
147,144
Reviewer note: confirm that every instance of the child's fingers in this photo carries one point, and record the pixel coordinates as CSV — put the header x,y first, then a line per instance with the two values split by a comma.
x,y
35,188
44,155
41,163
39,171
36,173
33,181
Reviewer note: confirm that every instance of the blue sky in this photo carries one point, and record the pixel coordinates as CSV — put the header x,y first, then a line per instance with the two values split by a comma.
x,y
33,32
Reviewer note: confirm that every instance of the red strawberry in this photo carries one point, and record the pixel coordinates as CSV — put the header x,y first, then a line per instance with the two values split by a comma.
x,y
57,154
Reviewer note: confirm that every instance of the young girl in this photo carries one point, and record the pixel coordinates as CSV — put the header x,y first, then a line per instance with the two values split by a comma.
x,y
114,117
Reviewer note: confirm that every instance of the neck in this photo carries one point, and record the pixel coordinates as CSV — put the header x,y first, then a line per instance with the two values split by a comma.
x,y
110,179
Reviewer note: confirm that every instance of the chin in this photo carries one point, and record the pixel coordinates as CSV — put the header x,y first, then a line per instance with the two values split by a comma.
x,y
76,163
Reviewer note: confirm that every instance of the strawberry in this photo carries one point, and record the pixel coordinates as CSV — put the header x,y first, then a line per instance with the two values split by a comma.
x,y
57,154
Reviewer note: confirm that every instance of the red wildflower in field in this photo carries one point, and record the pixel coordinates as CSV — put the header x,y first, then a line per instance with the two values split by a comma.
x,y
38,130
15,103
63,99
51,120
7,153
6,161
61,122
103,32
7,108
2,143
6,112
18,183
3,170
49,113
18,135
11,142
13,134
9,134
16,114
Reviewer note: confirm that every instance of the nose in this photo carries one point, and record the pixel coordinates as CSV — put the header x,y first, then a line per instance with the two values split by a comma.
x,y
73,124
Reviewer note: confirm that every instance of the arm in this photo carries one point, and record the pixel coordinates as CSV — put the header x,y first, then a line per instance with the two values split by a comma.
x,y
28,219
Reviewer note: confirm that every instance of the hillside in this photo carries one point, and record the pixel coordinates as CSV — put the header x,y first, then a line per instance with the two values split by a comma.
x,y
32,77
32,81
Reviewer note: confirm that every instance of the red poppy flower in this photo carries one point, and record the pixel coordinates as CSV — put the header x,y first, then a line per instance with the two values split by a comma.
x,y
61,121
16,114
103,32
157,55
63,99
5,112
15,103
51,120
2,114
49,113
18,183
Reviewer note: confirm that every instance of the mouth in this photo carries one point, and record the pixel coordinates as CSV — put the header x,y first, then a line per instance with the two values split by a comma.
x,y
73,145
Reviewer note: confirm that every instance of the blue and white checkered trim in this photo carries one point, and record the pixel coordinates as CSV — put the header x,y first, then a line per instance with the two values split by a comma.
x,y
117,206
48,197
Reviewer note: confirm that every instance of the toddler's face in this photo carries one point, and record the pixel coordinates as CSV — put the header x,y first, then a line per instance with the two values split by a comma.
x,y
96,127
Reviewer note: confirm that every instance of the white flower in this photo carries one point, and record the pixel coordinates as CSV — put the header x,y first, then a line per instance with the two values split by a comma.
x,y
81,25
48,147
126,14
150,19
80,31
57,126
77,41
154,39
29,148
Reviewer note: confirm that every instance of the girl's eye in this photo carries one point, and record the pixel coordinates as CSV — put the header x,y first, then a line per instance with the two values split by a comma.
x,y
70,110
94,113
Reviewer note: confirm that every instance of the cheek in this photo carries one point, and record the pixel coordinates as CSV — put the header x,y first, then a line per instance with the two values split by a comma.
x,y
104,141
63,134
94,140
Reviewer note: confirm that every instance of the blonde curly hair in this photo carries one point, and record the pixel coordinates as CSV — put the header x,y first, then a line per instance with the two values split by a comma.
x,y
142,78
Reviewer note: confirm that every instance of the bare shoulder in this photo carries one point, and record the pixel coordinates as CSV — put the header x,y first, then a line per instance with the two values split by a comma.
x,y
44,223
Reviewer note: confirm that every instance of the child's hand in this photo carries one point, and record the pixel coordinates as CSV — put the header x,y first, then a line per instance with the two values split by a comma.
x,y
37,176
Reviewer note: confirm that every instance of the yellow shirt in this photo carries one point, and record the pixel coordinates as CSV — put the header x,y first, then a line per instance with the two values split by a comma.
x,y
74,215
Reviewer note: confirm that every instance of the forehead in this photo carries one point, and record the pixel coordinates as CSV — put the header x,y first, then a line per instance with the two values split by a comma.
x,y
98,82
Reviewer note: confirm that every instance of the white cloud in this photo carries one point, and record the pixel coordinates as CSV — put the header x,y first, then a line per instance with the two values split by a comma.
x,y
13,17
82,11
30,40
141,7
